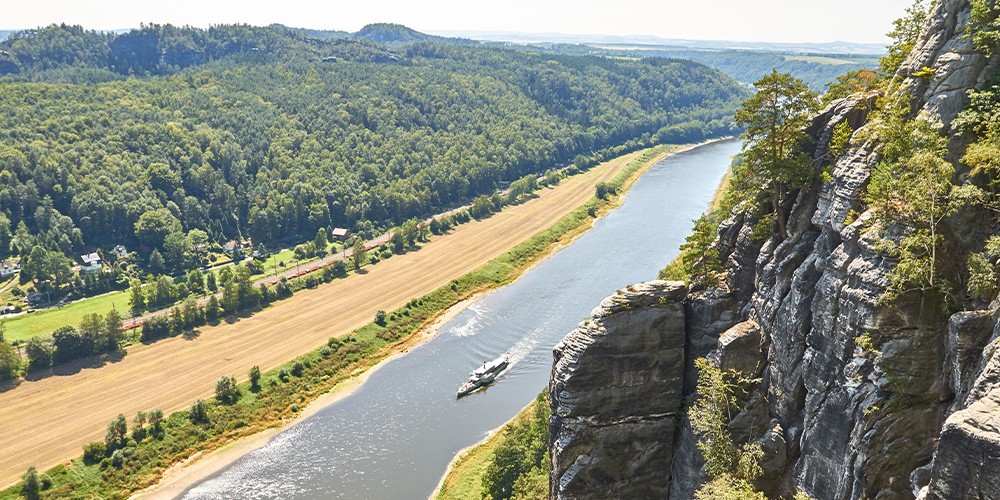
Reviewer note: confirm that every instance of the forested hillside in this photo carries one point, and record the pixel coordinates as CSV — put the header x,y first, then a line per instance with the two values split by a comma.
x,y
272,134
818,70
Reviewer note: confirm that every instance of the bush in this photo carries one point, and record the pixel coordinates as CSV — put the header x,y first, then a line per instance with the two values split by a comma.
x,y
39,353
603,190
519,461
226,390
380,318
10,362
297,368
30,486
255,377
94,452
199,412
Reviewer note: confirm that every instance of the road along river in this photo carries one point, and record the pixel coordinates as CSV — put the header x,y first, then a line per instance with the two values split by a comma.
x,y
395,435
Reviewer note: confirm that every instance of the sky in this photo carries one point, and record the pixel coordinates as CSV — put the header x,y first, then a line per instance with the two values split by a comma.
x,y
743,20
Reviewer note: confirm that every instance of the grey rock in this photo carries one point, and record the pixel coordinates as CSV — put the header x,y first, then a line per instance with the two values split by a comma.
x,y
967,462
968,334
740,350
616,395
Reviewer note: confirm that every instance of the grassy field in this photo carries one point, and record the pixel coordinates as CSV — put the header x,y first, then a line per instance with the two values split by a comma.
x,y
55,416
45,321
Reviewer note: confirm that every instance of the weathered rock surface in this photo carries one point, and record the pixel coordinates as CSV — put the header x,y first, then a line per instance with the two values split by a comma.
x,y
616,393
856,398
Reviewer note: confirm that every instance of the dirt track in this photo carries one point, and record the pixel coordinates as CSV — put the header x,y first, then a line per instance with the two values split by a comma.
x,y
46,422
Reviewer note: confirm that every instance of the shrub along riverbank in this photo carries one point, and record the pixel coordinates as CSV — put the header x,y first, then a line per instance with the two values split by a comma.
x,y
512,463
134,457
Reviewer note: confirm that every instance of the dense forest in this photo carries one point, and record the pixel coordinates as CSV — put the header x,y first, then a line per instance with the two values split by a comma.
x,y
238,131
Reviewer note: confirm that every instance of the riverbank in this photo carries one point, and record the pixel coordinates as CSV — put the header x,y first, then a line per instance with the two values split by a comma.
x,y
181,477
463,478
56,416
208,354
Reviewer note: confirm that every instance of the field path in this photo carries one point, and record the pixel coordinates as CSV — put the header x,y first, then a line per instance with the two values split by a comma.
x,y
46,422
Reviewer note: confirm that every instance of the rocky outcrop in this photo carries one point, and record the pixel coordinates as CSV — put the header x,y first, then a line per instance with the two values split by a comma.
x,y
856,398
616,393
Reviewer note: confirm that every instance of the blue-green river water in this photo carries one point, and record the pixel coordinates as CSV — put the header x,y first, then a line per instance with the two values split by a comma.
x,y
394,437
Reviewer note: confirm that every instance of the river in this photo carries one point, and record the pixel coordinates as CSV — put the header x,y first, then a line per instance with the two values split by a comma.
x,y
394,437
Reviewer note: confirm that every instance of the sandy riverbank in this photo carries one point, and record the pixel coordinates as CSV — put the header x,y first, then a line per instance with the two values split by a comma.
x,y
182,476
177,479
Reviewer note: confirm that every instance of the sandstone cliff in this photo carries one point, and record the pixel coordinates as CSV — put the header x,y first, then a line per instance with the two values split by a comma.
x,y
918,416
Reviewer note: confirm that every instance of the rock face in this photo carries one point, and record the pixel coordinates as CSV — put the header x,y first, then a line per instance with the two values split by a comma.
x,y
616,392
864,399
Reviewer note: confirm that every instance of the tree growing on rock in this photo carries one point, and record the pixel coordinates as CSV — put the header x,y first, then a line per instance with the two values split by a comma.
x,y
774,163
731,469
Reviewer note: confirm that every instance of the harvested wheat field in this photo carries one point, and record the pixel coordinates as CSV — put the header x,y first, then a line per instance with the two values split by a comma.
x,y
46,422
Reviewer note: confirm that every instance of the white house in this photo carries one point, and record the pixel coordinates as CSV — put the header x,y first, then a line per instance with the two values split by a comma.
x,y
8,268
91,263
120,251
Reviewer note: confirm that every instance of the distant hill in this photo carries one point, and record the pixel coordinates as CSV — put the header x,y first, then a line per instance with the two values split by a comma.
x,y
745,66
393,33
836,47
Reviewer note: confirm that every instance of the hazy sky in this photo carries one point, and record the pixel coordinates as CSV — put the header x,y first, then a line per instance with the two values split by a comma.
x,y
753,20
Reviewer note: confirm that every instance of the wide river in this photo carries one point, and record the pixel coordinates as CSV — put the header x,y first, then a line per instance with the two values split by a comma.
x,y
394,437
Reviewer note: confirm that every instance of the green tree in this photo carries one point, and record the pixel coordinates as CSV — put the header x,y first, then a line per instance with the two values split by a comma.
x,y
39,353
774,162
984,25
226,390
602,190
199,243
117,433
520,462
30,486
210,283
156,419
153,226
320,242
46,265
113,329
213,309
139,430
10,362
196,282
156,263
358,253
178,251
255,377
198,413
6,236
137,298
903,37
716,404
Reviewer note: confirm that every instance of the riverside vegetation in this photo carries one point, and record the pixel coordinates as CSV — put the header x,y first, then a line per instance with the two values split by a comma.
x,y
513,463
130,461
273,135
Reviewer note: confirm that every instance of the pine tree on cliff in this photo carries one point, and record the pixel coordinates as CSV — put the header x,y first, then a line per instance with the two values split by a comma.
x,y
774,162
